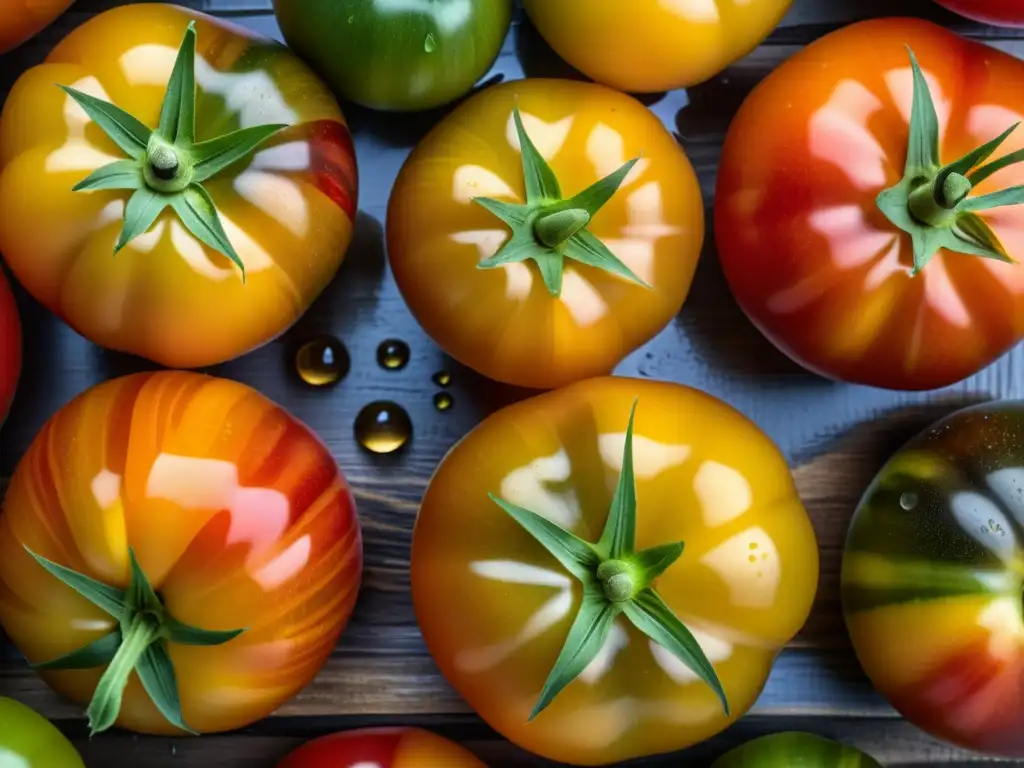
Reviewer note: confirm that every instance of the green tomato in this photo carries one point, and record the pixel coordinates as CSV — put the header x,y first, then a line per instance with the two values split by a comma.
x,y
397,55
795,750
28,740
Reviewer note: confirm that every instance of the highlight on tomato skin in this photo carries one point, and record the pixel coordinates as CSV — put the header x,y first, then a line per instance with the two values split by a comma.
x,y
381,748
29,740
1004,13
10,347
22,19
185,528
932,577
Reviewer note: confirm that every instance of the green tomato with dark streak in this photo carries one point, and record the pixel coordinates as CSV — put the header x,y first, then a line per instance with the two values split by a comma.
x,y
397,55
795,750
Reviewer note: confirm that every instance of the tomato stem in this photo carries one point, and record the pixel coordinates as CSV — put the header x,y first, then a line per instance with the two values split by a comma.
x,y
617,580
553,229
141,631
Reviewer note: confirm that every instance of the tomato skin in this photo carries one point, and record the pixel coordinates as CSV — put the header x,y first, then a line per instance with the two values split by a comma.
x,y
744,584
10,347
810,258
503,322
932,575
1006,13
236,512
381,57
665,48
381,748
29,740
794,750
22,19
288,210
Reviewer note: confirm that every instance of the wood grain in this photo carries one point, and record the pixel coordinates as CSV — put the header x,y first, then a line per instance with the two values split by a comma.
x,y
836,437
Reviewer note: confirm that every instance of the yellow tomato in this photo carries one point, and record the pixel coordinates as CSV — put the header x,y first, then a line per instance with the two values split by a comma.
x,y
644,46
495,608
504,322
21,19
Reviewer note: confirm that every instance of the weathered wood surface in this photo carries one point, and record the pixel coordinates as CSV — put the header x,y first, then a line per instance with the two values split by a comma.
x,y
836,437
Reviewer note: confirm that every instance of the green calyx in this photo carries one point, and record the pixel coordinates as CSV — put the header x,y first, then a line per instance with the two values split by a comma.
x,y
932,202
166,166
139,644
549,229
617,580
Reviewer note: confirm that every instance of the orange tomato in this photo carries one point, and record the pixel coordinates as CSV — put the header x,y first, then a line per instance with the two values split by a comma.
x,y
234,510
504,322
381,748
21,19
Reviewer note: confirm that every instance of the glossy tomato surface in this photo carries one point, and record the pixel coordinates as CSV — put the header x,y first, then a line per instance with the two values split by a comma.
x,y
503,322
288,210
933,574
397,56
808,254
235,511
1007,13
29,740
381,748
644,46
795,750
705,475
10,347
21,19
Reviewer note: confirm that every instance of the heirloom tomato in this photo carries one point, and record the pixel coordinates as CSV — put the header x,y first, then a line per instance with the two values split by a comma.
x,y
859,211
643,46
933,574
1007,13
551,583
10,346
401,56
223,178
179,540
381,748
795,750
522,280
21,19
29,740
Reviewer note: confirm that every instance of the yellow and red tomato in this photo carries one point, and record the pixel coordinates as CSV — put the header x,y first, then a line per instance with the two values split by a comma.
x,y
1007,13
234,510
21,19
10,347
381,748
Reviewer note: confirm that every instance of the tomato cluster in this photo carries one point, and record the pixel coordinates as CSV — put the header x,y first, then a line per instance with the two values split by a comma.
x,y
180,555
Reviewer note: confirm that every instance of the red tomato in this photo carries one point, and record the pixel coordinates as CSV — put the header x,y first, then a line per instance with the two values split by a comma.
x,y
10,347
1008,13
381,748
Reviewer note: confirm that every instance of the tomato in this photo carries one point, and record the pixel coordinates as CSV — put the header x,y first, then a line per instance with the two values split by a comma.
x,y
1007,13
402,56
667,45
28,740
495,295
743,585
226,521
10,347
832,228
21,19
279,205
381,748
932,577
795,750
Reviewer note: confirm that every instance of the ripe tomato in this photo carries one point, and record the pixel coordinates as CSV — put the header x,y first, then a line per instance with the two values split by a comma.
x,y
10,347
528,322
667,45
397,56
237,517
284,213
1007,13
743,585
795,750
932,578
381,748
29,740
805,207
21,19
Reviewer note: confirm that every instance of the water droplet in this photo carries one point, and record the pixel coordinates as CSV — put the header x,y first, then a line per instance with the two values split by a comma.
x,y
442,378
383,427
908,500
393,354
443,401
322,361
429,43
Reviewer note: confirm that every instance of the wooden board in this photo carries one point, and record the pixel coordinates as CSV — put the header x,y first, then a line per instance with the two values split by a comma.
x,y
836,437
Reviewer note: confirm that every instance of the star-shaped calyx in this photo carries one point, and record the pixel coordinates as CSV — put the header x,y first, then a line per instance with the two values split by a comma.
x,y
548,229
166,167
932,202
617,580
